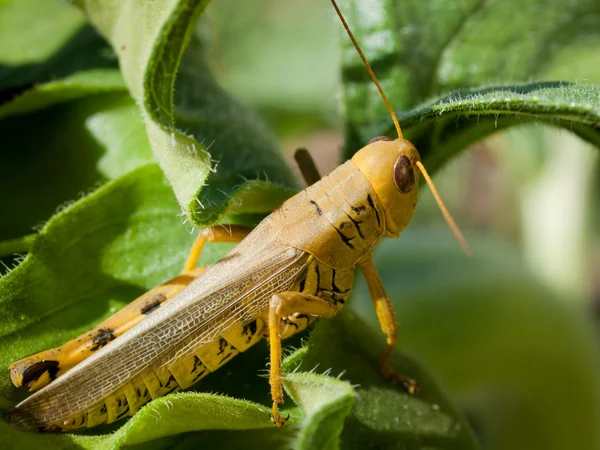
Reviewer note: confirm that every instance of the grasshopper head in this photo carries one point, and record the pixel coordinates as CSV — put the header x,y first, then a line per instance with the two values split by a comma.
x,y
389,165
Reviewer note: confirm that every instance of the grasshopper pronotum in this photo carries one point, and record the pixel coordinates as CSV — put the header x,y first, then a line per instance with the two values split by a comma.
x,y
296,265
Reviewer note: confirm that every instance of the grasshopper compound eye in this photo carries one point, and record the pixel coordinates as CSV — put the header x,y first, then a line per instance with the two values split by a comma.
x,y
404,175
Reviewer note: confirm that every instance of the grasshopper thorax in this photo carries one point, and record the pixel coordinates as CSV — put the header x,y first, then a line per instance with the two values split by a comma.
x,y
390,167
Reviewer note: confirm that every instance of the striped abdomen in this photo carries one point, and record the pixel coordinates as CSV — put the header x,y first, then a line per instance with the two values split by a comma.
x,y
162,380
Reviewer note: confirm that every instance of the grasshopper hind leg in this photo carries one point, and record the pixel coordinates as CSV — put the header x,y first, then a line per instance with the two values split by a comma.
x,y
38,370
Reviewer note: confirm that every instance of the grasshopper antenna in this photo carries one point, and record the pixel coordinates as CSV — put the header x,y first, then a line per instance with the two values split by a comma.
x,y
457,234
368,66
455,230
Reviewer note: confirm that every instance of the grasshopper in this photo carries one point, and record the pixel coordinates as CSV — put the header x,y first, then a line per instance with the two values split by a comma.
x,y
295,266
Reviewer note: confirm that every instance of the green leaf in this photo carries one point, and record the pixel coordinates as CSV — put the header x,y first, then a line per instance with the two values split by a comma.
x,y
291,76
185,412
58,82
175,414
506,347
28,38
443,127
77,262
421,51
43,41
326,402
383,415
72,87
150,53
100,137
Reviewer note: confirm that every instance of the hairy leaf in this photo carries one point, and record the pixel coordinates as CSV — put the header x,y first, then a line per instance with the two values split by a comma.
x,y
88,130
383,415
435,50
59,87
253,177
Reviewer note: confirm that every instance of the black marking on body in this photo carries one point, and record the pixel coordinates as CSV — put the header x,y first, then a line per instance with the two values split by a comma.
x,y
226,357
339,298
358,209
223,344
33,372
124,412
345,239
103,337
319,210
144,394
153,304
197,363
81,420
168,384
372,205
173,389
302,284
336,290
250,330
103,409
302,277
170,380
356,222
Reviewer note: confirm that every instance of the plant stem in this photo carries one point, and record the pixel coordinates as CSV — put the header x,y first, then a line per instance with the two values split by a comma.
x,y
19,245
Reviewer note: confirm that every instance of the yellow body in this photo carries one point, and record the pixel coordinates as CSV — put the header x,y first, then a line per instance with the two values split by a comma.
x,y
306,250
